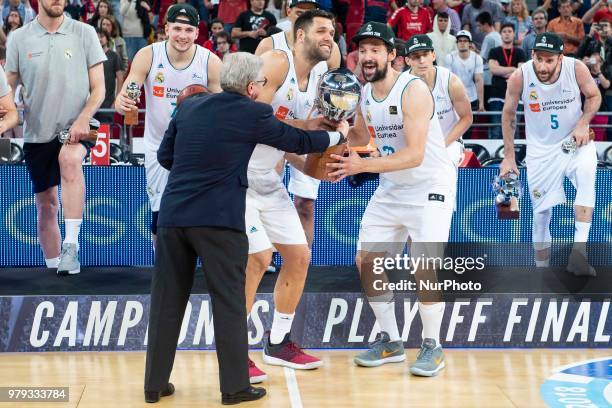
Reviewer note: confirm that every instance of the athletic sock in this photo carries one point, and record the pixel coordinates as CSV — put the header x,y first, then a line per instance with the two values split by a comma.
x,y
431,318
385,316
52,262
73,228
281,325
542,264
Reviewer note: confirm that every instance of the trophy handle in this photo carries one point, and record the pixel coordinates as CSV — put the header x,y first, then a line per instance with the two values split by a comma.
x,y
131,117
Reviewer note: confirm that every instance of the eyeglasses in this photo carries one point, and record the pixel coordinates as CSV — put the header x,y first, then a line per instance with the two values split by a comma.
x,y
263,82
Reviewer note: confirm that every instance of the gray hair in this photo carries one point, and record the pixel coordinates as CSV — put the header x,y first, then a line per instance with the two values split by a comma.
x,y
239,70
540,10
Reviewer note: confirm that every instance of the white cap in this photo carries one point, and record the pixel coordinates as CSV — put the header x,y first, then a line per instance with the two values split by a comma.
x,y
464,33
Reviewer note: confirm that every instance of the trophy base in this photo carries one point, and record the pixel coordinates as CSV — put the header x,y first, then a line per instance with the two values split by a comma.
x,y
316,163
131,118
508,212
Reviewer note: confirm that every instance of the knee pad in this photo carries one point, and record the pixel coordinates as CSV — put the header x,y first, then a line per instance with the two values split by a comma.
x,y
541,229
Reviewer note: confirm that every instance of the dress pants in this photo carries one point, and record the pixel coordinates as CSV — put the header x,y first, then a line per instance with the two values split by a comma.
x,y
224,255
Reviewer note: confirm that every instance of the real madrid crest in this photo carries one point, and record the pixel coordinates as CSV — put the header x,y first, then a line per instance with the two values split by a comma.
x,y
537,194
68,53
159,77
290,94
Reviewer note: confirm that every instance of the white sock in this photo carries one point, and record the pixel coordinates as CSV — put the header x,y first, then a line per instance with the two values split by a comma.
x,y
385,315
431,318
542,264
73,228
281,325
581,231
52,263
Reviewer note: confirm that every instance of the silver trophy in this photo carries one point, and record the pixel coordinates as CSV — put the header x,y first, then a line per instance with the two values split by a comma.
x,y
133,92
507,189
569,146
64,135
338,94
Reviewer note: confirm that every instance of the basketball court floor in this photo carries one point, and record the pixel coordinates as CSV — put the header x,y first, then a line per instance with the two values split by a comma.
x,y
473,378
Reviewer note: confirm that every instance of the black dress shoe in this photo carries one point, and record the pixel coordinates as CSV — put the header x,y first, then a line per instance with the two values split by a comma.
x,y
248,394
154,396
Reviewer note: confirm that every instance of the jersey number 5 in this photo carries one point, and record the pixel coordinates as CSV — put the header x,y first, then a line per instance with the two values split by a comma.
x,y
554,122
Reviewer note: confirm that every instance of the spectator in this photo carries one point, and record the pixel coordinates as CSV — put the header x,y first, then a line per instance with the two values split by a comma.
x,y
113,76
568,27
520,19
539,19
467,65
103,9
440,6
472,10
399,63
503,61
160,8
221,44
505,7
136,25
117,43
443,42
491,40
410,20
592,42
216,26
600,10
88,9
595,64
376,10
341,41
11,23
229,10
251,25
24,8
294,9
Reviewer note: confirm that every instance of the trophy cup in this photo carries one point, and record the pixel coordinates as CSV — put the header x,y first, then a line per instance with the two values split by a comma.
x,y
508,189
133,92
569,146
64,135
338,97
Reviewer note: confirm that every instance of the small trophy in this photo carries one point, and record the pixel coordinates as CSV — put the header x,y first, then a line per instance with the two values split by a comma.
x,y
569,146
64,135
508,189
338,97
133,92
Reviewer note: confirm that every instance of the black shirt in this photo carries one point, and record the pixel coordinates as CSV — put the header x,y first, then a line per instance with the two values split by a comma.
x,y
111,66
249,21
499,83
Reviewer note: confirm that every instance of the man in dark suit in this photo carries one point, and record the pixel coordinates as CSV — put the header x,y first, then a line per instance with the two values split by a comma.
x,y
207,148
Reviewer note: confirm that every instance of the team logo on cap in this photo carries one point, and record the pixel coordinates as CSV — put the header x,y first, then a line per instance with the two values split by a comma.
x,y
544,39
369,27
183,11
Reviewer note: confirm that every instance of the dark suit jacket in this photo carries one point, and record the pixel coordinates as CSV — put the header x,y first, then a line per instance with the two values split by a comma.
x,y
207,148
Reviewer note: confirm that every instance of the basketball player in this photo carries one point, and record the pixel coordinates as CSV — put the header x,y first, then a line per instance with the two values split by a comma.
x,y
414,198
59,62
305,189
165,68
271,218
550,86
452,105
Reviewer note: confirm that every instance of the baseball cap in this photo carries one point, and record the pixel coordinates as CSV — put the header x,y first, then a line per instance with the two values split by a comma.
x,y
183,10
504,1
464,33
374,29
549,42
294,3
419,42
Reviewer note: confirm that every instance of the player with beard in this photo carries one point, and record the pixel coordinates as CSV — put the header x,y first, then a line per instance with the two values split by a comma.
x,y
59,62
452,105
165,68
413,199
305,189
550,86
271,218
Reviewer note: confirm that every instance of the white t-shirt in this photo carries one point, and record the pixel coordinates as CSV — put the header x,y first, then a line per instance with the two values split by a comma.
x,y
465,70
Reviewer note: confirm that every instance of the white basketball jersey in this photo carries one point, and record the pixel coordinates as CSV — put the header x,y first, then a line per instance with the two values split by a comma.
x,y
384,120
444,105
162,86
551,110
288,103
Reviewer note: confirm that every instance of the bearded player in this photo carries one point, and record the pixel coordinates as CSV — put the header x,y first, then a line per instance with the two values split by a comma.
x,y
305,189
271,218
550,86
414,197
165,68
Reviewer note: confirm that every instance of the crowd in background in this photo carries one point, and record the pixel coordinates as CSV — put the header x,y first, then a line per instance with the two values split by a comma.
x,y
481,41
